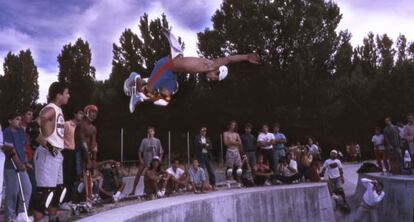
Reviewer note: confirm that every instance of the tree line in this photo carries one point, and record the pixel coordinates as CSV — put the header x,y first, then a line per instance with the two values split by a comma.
x,y
311,80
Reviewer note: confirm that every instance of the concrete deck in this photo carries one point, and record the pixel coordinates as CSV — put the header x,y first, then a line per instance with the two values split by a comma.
x,y
300,202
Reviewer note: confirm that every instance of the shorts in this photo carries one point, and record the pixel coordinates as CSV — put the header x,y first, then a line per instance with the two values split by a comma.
x,y
411,147
48,168
233,158
336,183
162,76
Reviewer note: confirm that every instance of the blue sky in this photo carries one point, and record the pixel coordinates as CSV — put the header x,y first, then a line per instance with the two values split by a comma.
x,y
45,26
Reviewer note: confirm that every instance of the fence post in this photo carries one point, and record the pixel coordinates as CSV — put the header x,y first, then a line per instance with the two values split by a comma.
x,y
122,145
221,149
188,147
169,147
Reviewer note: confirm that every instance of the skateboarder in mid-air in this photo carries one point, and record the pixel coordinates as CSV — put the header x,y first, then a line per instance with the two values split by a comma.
x,y
162,82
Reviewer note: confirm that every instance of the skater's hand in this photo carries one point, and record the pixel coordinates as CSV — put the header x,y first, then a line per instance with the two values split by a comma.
x,y
342,180
29,166
253,58
20,167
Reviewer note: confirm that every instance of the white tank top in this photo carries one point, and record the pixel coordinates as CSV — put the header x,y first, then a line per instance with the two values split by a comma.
x,y
56,138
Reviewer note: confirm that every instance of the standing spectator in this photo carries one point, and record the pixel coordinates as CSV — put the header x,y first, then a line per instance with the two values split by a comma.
x,y
69,157
155,180
265,141
14,142
178,178
32,132
149,148
48,159
312,148
2,159
408,135
305,163
203,149
392,145
280,144
333,168
27,119
197,178
86,138
379,149
369,204
249,144
358,153
288,170
234,148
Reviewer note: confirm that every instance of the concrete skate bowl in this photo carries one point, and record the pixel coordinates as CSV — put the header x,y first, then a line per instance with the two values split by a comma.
x,y
398,203
308,202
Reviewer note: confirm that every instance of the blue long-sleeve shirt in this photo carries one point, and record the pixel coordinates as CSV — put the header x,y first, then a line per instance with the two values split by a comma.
x,y
18,139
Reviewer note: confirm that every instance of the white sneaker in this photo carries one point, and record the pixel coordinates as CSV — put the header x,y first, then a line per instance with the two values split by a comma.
x,y
117,196
159,194
66,206
267,183
143,96
228,184
239,185
81,186
21,217
161,102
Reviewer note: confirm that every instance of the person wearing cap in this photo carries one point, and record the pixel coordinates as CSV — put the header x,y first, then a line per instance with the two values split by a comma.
x,y
85,134
162,82
334,170
155,179
373,195
149,148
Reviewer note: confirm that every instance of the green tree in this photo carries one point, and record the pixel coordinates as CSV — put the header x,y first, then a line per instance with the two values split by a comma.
x,y
75,69
386,61
19,87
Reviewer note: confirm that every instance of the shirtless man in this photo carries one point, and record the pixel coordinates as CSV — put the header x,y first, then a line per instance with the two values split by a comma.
x,y
162,82
48,158
86,133
234,147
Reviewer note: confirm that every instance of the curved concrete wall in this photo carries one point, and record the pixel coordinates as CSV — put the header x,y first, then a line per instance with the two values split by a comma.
x,y
300,202
398,203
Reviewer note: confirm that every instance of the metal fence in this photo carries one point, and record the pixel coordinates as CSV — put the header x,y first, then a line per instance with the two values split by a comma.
x,y
175,145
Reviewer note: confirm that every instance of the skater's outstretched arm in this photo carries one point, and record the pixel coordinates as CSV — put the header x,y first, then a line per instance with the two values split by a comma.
x,y
203,65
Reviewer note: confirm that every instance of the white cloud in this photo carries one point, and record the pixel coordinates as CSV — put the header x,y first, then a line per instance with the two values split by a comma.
x,y
46,77
101,24
390,17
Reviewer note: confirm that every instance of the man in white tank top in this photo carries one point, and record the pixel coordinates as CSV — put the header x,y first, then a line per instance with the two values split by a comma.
x,y
48,158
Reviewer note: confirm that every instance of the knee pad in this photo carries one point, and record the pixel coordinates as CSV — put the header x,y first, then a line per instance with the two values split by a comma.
x,y
229,172
40,198
56,197
239,172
